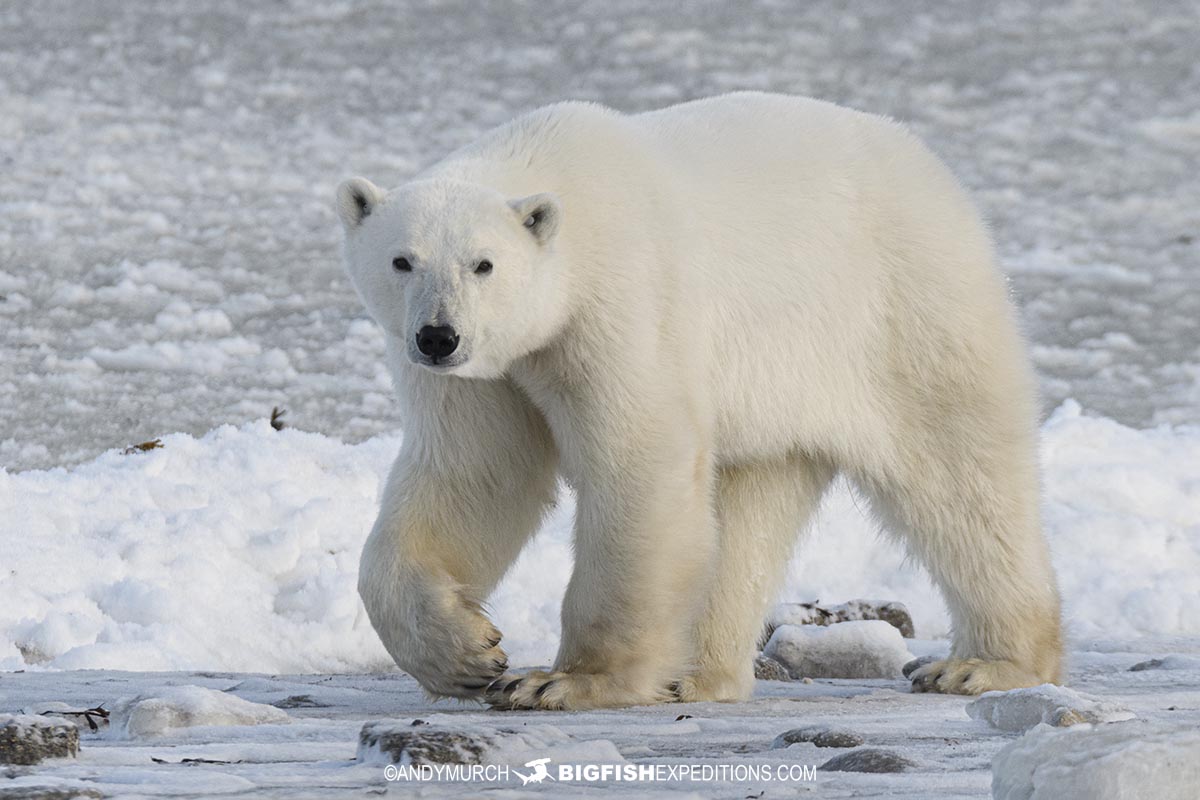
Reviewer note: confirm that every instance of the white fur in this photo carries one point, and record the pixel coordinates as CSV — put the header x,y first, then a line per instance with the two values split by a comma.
x,y
730,301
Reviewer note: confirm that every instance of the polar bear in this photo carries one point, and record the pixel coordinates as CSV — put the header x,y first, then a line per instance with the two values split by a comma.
x,y
697,317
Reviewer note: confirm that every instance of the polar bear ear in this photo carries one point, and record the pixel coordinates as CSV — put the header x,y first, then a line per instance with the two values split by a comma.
x,y
541,215
356,198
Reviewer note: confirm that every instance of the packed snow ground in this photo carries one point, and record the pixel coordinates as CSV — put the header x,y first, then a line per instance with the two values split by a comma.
x,y
313,753
169,252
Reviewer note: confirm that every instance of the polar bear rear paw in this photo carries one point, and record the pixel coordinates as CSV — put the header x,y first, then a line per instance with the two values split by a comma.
x,y
568,691
971,676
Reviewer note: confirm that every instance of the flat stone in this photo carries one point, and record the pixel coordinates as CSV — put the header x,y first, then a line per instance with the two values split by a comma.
x,y
299,701
819,736
424,744
31,739
868,759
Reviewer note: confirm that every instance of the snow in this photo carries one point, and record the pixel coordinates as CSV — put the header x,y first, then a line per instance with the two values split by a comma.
x,y
1021,709
856,649
239,551
1110,762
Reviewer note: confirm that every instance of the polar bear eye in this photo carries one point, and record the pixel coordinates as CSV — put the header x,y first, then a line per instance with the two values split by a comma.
x,y
400,263
483,267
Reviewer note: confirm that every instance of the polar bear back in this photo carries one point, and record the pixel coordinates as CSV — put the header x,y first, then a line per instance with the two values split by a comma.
x,y
803,256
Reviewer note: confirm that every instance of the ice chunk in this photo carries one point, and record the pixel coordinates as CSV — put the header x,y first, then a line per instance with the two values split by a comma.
x,y
862,649
1100,762
1021,709
186,707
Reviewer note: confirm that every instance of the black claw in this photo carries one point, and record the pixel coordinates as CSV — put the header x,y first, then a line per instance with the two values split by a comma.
x,y
541,690
492,643
511,686
474,687
500,664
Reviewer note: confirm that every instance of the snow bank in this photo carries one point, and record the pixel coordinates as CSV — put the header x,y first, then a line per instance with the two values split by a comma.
x,y
186,707
239,551
860,649
1125,761
1022,709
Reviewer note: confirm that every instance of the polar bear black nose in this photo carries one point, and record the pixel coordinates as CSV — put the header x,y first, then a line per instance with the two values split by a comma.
x,y
437,341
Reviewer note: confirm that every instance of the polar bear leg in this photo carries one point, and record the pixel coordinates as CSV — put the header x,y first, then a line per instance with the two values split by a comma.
x,y
761,509
970,515
644,549
472,481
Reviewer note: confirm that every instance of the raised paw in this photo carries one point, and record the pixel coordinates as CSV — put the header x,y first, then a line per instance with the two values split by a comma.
x,y
971,676
450,647
568,691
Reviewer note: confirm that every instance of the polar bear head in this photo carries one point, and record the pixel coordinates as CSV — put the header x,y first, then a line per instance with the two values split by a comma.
x,y
466,278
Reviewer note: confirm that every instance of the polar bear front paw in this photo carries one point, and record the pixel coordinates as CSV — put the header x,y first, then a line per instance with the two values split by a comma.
x,y
455,653
569,691
971,676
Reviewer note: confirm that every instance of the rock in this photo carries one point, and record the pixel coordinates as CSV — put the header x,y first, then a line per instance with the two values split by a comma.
x,y
917,663
863,649
418,747
436,742
868,759
1171,662
297,701
895,614
819,736
1100,762
29,740
1022,709
768,669
171,707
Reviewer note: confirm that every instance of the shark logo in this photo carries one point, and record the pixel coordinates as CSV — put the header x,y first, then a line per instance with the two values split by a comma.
x,y
539,773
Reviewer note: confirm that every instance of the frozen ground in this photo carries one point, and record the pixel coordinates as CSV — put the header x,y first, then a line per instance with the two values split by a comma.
x,y
313,754
168,249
